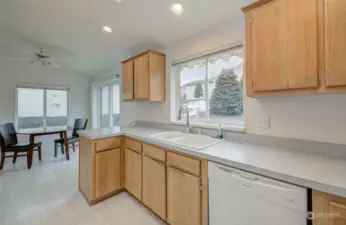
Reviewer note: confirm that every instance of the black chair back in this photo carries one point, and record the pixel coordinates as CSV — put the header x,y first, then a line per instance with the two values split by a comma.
x,y
8,135
79,124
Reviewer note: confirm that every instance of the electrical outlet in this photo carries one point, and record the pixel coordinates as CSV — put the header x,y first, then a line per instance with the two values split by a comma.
x,y
263,122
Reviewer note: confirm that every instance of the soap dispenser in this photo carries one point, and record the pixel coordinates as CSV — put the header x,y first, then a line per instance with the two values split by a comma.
x,y
219,132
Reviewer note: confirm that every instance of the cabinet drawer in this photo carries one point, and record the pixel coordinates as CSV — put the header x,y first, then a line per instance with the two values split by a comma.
x,y
184,163
133,145
107,144
154,152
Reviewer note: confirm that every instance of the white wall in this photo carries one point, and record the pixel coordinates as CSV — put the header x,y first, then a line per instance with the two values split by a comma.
x,y
12,73
318,118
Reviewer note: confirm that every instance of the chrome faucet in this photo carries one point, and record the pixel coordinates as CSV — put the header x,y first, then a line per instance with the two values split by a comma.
x,y
187,120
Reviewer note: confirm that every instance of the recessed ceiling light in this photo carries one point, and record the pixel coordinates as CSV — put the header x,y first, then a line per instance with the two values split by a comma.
x,y
107,29
177,8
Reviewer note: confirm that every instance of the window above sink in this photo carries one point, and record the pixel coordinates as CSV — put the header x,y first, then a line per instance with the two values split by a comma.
x,y
211,88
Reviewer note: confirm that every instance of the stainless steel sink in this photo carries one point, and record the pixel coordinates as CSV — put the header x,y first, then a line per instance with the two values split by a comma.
x,y
197,142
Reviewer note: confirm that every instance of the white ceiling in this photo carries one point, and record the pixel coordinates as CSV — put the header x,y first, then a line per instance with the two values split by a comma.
x,y
71,30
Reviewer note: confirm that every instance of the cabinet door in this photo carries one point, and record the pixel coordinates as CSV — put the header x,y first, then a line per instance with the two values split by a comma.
x,y
107,176
335,44
141,77
127,80
154,186
157,76
133,173
283,45
328,209
183,198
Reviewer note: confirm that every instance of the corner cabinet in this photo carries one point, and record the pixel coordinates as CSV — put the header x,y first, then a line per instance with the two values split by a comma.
x,y
154,186
133,173
328,209
144,77
295,47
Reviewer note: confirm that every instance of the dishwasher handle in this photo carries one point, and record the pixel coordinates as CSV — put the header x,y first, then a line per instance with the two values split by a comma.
x,y
254,179
229,171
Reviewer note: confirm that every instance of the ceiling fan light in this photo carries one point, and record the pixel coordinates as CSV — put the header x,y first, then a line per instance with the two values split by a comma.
x,y
177,8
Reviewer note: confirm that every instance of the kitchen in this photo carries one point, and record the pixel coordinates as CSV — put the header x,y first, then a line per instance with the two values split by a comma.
x,y
268,183
282,155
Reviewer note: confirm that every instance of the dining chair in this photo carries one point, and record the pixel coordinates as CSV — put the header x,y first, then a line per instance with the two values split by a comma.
x,y
79,124
9,145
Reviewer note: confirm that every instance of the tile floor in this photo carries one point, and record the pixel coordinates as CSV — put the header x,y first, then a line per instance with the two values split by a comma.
x,y
48,194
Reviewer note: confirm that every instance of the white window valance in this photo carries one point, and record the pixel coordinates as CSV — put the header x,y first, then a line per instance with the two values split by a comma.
x,y
212,58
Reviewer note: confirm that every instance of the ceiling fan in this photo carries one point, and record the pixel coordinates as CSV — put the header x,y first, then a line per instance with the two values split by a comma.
x,y
15,46
43,59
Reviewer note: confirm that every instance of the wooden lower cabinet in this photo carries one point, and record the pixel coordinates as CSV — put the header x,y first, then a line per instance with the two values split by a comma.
x,y
154,186
171,184
107,172
184,198
328,209
133,173
100,168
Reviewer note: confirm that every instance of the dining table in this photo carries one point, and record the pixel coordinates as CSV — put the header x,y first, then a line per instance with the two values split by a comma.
x,y
43,131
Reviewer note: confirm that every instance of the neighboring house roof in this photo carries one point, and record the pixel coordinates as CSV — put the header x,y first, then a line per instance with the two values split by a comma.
x,y
200,81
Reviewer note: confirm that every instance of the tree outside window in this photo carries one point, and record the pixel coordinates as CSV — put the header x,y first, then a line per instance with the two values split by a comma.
x,y
211,87
198,91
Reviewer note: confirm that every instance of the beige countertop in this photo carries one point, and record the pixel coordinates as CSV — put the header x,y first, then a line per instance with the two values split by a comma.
x,y
292,166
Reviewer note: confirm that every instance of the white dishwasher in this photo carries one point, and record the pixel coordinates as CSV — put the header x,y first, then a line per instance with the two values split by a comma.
x,y
237,197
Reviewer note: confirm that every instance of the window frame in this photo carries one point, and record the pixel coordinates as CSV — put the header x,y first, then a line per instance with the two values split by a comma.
x,y
206,122
44,88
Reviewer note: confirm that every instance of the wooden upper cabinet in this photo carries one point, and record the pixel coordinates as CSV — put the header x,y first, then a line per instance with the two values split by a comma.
x,y
183,198
335,42
282,46
127,83
141,77
157,76
107,172
328,209
148,77
264,57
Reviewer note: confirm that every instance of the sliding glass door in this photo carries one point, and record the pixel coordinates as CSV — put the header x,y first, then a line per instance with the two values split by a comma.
x,y
106,105
116,105
105,102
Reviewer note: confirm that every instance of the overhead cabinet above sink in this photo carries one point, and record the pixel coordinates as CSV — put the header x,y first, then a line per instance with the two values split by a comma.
x,y
295,47
143,77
